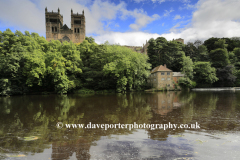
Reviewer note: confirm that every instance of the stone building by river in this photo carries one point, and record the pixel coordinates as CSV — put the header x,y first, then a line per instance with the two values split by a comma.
x,y
55,30
176,76
161,77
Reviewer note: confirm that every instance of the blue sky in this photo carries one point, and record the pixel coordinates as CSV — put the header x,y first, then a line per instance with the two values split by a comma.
x,y
130,22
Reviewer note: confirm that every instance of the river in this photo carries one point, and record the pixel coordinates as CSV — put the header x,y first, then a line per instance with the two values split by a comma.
x,y
37,126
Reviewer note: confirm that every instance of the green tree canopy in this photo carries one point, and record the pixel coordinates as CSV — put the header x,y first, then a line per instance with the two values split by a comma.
x,y
210,43
226,76
129,68
204,73
187,70
219,58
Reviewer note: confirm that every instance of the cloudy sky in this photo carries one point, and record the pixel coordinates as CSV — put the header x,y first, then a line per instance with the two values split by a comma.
x,y
130,22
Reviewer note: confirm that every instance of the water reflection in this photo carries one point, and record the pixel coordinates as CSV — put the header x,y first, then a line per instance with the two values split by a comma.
x,y
163,103
26,116
139,146
64,150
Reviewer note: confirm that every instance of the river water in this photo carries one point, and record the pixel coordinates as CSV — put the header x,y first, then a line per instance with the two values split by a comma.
x,y
34,126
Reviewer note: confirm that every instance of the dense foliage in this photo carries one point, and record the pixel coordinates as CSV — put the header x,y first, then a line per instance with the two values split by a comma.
x,y
29,63
161,51
212,63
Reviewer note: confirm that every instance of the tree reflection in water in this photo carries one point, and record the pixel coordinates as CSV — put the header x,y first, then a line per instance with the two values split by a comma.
x,y
24,116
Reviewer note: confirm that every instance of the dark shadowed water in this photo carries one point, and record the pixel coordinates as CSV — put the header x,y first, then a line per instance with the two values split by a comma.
x,y
28,126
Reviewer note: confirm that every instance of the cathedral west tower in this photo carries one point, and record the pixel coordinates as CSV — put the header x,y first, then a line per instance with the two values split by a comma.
x,y
55,30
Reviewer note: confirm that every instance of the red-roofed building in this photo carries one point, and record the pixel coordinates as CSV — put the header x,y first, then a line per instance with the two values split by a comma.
x,y
161,77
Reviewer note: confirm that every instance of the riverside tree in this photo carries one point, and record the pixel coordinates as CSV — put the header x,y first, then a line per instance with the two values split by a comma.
x,y
187,70
204,74
130,69
28,63
161,51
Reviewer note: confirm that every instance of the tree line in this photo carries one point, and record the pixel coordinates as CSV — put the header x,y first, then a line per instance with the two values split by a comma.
x,y
212,63
29,63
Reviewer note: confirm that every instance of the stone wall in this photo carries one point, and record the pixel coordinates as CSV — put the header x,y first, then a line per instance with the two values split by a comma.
x,y
139,49
145,47
135,48
180,40
161,81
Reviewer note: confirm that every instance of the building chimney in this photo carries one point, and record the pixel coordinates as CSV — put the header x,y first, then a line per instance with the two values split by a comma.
x,y
165,65
58,10
46,9
83,12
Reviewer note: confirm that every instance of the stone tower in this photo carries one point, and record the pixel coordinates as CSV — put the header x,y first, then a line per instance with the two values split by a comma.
x,y
55,30
78,26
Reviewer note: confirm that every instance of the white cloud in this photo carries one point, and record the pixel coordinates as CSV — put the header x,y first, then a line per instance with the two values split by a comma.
x,y
185,1
213,18
173,29
177,17
159,1
217,15
138,1
127,38
188,6
132,38
153,1
20,13
142,19
167,13
29,14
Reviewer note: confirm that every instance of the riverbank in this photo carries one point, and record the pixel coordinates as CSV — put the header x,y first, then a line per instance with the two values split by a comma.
x,y
217,89
162,89
79,91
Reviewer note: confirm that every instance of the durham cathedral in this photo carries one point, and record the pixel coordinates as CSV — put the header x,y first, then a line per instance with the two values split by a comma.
x,y
55,30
